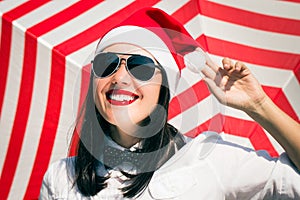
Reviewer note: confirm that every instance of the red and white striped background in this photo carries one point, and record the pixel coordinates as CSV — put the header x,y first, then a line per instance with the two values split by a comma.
x,y
46,47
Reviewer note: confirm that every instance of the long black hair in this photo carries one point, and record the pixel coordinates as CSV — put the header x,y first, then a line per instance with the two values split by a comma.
x,y
162,146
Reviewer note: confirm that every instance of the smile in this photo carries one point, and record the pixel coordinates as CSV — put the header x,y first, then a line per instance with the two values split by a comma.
x,y
120,97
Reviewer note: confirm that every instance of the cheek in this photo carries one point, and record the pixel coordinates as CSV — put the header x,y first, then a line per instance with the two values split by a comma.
x,y
97,93
151,90
150,95
154,94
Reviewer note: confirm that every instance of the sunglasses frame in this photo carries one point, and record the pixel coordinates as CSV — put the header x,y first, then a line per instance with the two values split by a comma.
x,y
158,66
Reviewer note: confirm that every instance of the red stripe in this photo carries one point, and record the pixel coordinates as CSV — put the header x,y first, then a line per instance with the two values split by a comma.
x,y
279,98
53,109
6,31
95,32
213,124
275,59
186,12
63,17
295,1
18,130
297,72
251,130
188,98
249,19
237,127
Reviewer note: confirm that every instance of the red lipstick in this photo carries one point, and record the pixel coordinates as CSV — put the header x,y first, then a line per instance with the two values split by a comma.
x,y
121,97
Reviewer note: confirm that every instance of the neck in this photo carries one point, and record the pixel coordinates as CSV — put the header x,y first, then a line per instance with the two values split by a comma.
x,y
124,139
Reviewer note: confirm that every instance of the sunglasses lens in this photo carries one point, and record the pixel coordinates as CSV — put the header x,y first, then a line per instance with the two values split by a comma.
x,y
105,64
141,67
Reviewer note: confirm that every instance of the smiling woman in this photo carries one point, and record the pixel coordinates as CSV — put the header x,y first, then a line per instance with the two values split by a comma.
x,y
127,148
123,90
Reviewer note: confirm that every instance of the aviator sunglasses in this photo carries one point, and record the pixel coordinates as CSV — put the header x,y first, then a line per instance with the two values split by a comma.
x,y
140,67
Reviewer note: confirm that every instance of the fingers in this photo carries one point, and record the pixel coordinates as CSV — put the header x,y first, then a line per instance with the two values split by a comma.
x,y
233,69
225,77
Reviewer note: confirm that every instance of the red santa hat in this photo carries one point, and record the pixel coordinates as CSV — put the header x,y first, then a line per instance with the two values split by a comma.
x,y
164,37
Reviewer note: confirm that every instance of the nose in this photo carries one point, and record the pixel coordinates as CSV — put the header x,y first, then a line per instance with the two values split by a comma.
x,y
121,76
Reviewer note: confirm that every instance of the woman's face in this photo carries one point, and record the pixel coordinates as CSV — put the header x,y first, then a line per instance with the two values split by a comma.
x,y
120,98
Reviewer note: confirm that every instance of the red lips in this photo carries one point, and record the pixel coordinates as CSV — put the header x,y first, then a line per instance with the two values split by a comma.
x,y
121,97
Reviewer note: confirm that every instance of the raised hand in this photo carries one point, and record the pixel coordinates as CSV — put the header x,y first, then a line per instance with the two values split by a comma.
x,y
234,85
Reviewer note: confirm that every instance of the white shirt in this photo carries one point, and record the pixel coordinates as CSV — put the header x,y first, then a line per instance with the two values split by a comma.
x,y
205,168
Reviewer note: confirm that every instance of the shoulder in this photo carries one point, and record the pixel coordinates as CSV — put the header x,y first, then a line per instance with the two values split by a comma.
x,y
61,167
60,173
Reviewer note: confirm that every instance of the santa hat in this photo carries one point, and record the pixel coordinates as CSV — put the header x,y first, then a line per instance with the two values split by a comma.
x,y
164,37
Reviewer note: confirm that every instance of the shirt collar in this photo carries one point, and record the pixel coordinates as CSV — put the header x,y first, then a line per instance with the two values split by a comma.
x,y
110,142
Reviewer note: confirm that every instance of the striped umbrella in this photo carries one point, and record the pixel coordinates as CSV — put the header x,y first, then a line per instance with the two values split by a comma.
x,y
46,47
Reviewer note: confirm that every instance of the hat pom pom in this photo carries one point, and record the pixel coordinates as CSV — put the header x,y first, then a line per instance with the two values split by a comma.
x,y
195,60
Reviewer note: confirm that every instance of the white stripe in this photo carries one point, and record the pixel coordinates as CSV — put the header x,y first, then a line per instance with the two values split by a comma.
x,y
232,112
6,6
243,35
83,22
187,79
34,124
197,114
68,112
195,26
266,7
12,91
42,13
292,92
250,36
84,55
170,6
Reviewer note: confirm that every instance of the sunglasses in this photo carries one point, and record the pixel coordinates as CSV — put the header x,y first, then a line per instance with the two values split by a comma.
x,y
140,67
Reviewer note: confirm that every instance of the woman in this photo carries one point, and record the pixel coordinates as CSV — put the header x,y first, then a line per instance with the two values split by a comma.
x,y
128,150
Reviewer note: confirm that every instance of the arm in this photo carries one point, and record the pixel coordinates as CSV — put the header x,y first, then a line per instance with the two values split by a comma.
x,y
235,86
281,126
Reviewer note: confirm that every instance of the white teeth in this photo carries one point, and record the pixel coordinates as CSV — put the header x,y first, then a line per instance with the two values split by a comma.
x,y
121,97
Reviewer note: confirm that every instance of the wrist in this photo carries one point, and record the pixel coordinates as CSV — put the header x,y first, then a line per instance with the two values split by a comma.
x,y
260,109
